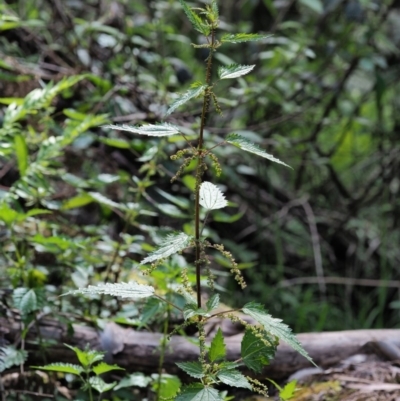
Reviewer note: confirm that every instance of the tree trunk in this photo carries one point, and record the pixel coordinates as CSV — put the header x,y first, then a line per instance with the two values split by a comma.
x,y
139,351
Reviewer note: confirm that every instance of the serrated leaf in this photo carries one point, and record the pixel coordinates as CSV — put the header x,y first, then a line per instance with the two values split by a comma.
x,y
255,352
62,367
164,129
211,197
104,367
198,392
28,299
195,20
243,37
288,391
173,243
10,356
189,94
87,357
130,290
193,369
214,9
248,146
213,302
100,385
217,348
233,378
275,326
21,150
234,71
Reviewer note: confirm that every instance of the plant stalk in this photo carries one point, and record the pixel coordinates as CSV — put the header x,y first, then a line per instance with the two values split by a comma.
x,y
199,171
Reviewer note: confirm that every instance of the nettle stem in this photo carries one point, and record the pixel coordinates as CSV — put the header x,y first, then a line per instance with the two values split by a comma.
x,y
200,167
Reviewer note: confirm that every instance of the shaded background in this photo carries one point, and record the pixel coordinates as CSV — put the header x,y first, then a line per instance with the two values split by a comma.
x,y
319,244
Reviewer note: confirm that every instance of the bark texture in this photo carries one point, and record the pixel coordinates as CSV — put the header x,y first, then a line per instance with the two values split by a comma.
x,y
139,351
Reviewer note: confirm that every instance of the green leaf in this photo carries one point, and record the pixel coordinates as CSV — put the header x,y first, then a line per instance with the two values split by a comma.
x,y
104,367
288,391
191,310
315,5
214,9
195,20
257,352
135,379
116,143
189,94
130,290
10,356
62,367
243,37
275,327
234,71
193,369
151,309
87,357
173,243
8,215
77,201
198,392
164,129
170,386
211,197
213,302
100,385
217,348
99,198
233,378
248,146
21,150
28,299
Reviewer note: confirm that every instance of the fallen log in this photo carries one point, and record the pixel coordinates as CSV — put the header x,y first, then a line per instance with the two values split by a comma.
x,y
139,351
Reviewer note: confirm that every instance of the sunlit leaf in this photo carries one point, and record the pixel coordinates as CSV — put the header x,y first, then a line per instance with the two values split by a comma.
x,y
21,150
130,290
173,243
244,144
196,21
62,368
211,196
234,71
100,385
233,378
217,348
148,129
182,99
243,37
104,367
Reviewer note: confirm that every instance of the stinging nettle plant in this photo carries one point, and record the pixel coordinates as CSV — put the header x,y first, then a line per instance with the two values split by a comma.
x,y
261,339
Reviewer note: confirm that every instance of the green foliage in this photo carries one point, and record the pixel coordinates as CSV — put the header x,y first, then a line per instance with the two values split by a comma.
x,y
217,348
10,356
274,326
131,290
244,144
195,91
81,205
172,244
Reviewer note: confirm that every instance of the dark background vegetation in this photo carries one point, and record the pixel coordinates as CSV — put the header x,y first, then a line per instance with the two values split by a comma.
x,y
318,245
